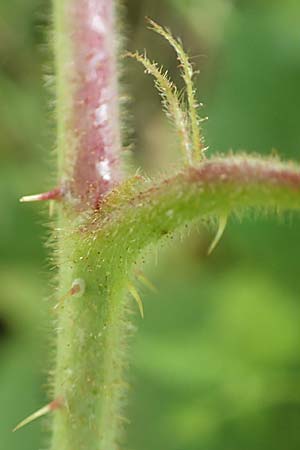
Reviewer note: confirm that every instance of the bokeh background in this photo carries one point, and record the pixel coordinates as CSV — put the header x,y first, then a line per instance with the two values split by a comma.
x,y
216,362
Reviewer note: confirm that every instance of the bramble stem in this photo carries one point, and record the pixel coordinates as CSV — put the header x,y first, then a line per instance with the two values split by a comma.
x,y
104,224
91,331
134,216
87,99
217,187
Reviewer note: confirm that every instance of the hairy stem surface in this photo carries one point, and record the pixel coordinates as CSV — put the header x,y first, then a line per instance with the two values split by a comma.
x,y
217,187
87,99
105,224
91,331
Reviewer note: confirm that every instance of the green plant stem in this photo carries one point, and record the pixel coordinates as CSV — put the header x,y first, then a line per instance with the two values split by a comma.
x,y
91,330
103,225
92,333
218,187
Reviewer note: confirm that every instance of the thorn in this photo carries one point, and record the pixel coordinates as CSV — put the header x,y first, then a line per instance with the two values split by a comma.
x,y
146,282
220,232
54,405
55,194
77,290
78,287
137,298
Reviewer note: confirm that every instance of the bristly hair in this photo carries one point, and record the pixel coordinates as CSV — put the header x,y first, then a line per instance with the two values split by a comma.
x,y
171,103
184,116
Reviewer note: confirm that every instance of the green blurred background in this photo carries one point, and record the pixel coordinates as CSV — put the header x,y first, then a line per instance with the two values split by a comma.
x,y
216,362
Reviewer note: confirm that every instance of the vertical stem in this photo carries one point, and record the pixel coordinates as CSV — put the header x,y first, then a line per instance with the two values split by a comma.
x,y
90,327
91,342
87,99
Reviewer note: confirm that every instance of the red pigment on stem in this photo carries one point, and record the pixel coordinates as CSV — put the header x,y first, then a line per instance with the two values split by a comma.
x,y
53,406
243,170
95,117
75,289
55,194
56,404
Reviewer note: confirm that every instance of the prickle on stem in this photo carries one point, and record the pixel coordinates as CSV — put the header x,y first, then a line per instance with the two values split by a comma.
x,y
220,232
54,194
77,290
52,406
137,298
145,281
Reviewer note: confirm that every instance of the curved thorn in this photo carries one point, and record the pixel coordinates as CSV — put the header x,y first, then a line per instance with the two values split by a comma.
x,y
146,282
137,298
220,232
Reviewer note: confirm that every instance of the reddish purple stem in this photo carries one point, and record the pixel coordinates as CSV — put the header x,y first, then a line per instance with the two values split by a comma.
x,y
95,114
247,169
